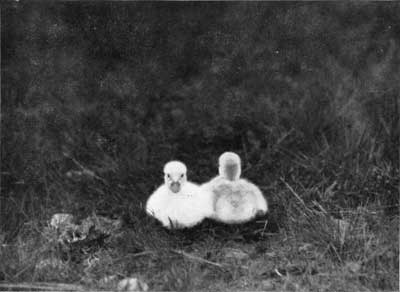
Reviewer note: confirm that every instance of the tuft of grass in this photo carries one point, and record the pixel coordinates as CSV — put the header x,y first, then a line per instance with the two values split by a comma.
x,y
333,225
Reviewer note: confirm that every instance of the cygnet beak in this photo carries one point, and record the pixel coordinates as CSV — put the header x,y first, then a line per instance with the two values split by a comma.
x,y
175,187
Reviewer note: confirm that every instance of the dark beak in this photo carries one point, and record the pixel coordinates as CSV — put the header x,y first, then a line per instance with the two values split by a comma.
x,y
175,187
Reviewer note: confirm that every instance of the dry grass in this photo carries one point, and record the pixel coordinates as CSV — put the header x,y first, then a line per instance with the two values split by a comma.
x,y
319,246
92,109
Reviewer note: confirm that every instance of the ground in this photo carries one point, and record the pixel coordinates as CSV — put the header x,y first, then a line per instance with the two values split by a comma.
x,y
97,98
298,249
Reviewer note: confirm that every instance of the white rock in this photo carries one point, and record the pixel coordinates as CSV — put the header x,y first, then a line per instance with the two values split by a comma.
x,y
353,267
267,285
132,284
61,219
236,254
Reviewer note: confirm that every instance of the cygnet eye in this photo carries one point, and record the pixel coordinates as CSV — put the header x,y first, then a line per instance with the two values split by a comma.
x,y
182,175
168,176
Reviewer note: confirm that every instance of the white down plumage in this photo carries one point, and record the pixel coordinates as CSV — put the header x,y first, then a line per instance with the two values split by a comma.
x,y
234,200
178,203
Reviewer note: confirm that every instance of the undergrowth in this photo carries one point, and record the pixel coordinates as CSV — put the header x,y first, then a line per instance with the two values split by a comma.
x,y
97,98
310,241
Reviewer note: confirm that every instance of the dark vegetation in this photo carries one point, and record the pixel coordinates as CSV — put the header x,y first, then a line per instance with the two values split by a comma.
x,y
96,97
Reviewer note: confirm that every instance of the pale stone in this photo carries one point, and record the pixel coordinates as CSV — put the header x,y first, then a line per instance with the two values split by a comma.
x,y
236,254
267,285
353,267
61,219
132,284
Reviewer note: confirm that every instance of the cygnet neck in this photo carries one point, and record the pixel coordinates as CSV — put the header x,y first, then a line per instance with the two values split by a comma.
x,y
175,194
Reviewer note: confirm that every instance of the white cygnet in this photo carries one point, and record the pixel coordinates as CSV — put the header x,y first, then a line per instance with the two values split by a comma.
x,y
178,203
234,200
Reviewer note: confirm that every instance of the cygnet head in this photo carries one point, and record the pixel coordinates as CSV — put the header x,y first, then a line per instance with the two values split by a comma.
x,y
175,175
230,166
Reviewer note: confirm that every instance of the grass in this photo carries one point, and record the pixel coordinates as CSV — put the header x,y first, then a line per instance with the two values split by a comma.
x,y
198,260
323,233
317,129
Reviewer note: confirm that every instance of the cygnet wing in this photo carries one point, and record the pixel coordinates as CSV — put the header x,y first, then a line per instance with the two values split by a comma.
x,y
253,192
156,204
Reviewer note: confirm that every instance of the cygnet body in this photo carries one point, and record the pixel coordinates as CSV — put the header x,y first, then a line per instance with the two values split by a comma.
x,y
234,200
178,203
